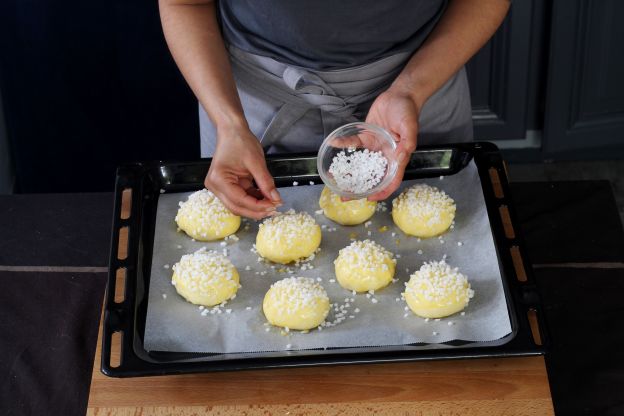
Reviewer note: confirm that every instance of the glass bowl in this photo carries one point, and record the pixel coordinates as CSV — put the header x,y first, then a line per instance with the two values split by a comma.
x,y
349,139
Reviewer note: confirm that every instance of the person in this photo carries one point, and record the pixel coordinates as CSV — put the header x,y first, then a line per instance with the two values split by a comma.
x,y
279,75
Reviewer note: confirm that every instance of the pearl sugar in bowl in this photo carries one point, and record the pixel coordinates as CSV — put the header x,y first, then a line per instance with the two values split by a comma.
x,y
357,160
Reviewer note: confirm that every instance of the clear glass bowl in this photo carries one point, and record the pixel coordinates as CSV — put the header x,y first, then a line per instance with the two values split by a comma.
x,y
358,135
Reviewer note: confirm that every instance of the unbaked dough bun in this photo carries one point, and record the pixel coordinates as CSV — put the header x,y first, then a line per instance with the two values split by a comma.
x,y
205,278
363,266
203,217
296,303
288,236
351,212
423,211
437,290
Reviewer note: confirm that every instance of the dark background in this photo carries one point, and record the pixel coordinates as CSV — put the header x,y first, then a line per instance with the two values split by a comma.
x,y
88,85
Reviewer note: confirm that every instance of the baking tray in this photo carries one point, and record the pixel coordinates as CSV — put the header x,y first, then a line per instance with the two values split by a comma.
x,y
138,187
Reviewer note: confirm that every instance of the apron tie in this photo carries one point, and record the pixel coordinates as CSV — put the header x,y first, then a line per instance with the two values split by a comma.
x,y
301,90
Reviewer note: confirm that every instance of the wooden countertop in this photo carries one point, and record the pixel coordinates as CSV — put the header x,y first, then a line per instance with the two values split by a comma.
x,y
509,386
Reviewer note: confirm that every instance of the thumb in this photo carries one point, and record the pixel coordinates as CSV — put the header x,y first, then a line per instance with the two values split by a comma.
x,y
264,180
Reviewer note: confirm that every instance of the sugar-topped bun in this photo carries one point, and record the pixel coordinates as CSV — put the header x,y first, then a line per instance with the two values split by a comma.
x,y
203,217
437,290
363,266
205,278
296,303
348,212
423,211
288,236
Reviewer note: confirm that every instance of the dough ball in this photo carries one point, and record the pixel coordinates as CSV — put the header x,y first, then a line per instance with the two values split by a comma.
x,y
287,237
205,278
363,266
203,217
296,303
423,211
346,213
437,290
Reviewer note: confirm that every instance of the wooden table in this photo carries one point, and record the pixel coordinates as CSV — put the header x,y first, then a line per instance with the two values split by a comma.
x,y
505,386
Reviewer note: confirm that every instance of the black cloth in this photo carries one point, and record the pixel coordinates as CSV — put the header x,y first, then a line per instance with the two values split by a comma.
x,y
584,311
328,34
48,332
578,222
49,320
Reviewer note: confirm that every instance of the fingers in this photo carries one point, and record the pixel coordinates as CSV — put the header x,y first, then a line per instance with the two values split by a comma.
x,y
241,203
236,199
264,180
388,190
403,157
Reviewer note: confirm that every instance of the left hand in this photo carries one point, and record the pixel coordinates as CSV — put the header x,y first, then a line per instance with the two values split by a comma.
x,y
396,111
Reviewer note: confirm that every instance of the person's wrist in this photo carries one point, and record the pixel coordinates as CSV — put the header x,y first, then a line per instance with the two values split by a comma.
x,y
407,87
231,123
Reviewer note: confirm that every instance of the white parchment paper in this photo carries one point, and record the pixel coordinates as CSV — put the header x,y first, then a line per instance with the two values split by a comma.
x,y
176,325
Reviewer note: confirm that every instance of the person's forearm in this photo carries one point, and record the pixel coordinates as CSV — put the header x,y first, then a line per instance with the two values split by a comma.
x,y
193,36
463,29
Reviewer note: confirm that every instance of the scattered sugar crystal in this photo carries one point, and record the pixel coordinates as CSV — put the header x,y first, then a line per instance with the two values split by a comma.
x,y
166,266
248,308
311,182
459,243
164,295
374,300
295,183
435,333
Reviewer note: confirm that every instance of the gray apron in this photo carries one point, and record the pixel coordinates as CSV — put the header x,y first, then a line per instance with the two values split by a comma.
x,y
292,109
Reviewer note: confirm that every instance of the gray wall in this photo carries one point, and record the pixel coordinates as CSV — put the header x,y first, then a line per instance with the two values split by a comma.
x,y
6,173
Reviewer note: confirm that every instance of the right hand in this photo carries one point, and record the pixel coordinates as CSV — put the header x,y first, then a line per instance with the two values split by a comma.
x,y
238,161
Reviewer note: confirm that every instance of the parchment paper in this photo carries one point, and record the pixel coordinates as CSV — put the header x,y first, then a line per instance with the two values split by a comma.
x,y
176,325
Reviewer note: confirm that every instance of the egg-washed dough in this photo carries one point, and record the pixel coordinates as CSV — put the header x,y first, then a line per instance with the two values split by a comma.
x,y
423,211
351,212
363,266
437,290
203,217
205,278
296,303
288,237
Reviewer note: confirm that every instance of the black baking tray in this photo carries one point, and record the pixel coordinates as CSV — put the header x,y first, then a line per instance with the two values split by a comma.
x,y
123,354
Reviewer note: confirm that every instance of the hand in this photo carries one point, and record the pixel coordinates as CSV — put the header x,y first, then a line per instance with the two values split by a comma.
x,y
238,161
396,111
